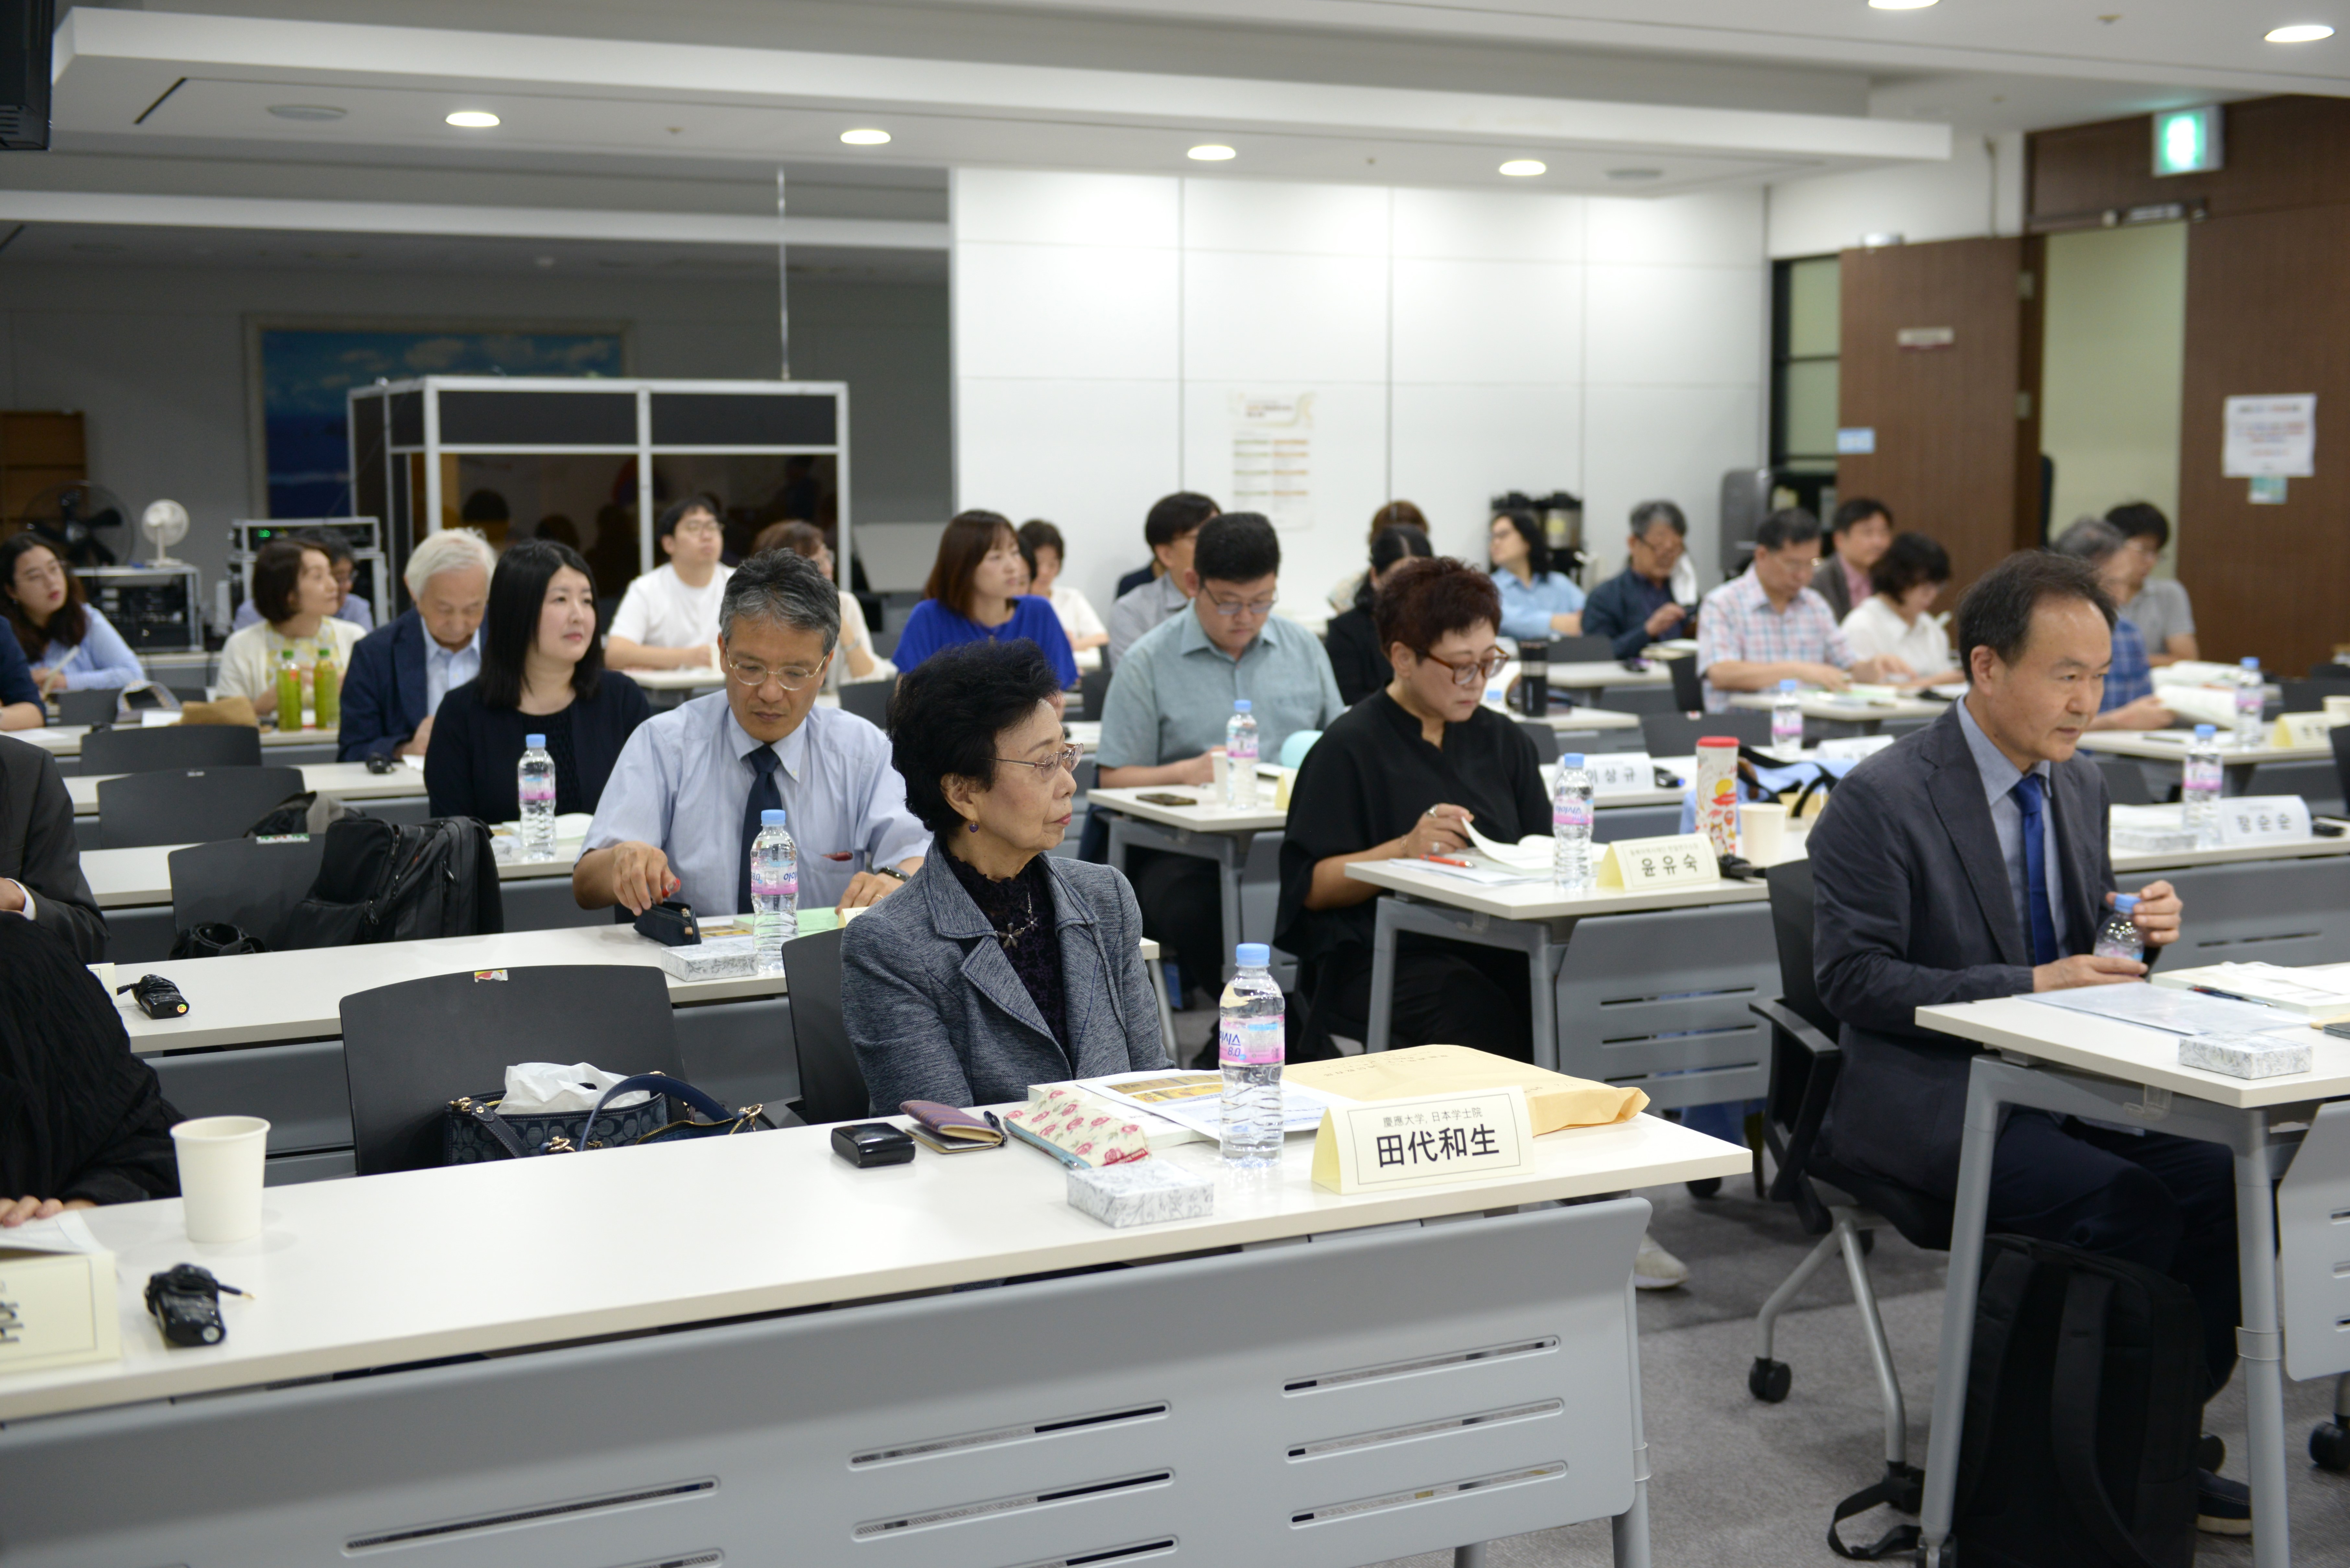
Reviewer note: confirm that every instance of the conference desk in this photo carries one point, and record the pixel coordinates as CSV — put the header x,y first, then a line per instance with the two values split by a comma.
x,y
1593,675
1862,715
706,1350
344,781
2078,1064
2170,746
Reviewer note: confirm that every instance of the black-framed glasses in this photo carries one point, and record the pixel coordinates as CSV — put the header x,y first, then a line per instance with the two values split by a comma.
x,y
1472,674
790,677
1066,759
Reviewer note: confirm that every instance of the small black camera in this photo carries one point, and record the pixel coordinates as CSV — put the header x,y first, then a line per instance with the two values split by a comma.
x,y
185,1301
156,997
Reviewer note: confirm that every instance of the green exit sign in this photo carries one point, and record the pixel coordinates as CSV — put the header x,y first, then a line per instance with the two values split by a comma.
x,y
2187,141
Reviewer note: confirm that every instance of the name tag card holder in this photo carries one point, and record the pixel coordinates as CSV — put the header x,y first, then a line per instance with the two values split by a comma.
x,y
2303,730
1620,773
1428,1140
2250,819
1650,865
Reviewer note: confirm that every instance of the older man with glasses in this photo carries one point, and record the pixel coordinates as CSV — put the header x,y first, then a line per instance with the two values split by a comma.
x,y
1173,694
678,816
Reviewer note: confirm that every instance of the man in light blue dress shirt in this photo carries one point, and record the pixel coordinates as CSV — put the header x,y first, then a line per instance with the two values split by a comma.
x,y
677,817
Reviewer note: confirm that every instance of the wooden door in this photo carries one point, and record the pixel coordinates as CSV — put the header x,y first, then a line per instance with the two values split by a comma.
x,y
1941,358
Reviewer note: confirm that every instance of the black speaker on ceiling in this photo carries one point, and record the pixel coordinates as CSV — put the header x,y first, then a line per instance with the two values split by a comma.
x,y
26,26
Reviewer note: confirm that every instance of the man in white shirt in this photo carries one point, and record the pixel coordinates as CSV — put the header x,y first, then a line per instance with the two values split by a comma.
x,y
668,617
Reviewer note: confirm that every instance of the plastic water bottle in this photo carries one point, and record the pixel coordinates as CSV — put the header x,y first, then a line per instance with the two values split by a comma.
x,y
535,781
2250,702
1250,1042
1240,758
775,892
1570,824
2119,936
2198,792
1786,720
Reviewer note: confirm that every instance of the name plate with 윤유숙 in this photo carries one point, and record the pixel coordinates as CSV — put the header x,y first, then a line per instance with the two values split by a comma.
x,y
1382,1146
2248,819
2303,730
1650,865
1620,773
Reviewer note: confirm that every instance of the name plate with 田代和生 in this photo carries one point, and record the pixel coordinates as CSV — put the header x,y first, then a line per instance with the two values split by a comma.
x,y
1379,1145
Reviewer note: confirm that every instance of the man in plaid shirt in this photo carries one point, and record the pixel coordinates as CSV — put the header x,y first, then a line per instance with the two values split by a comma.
x,y
1769,625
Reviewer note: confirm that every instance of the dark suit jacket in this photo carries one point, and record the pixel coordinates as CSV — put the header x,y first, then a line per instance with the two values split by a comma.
x,y
1355,656
1827,581
469,770
39,851
384,693
1913,911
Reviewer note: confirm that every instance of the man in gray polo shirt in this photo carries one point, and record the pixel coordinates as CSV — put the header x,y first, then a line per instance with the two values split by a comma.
x,y
1172,695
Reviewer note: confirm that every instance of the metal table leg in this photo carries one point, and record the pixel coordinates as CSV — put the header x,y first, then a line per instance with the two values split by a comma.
x,y
1542,996
2261,1344
1629,1529
1971,1213
1383,955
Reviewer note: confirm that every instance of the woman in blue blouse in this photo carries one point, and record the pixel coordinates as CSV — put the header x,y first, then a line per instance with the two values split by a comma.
x,y
1536,602
70,643
970,596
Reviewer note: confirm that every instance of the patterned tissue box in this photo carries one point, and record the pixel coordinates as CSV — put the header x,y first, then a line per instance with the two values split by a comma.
x,y
1141,1192
2245,1055
1079,1125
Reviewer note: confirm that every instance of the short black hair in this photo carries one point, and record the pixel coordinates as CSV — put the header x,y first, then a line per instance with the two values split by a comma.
x,y
675,514
2141,520
1395,542
510,624
1860,509
1792,526
1996,612
277,576
1172,516
1910,559
337,550
1038,535
1665,512
1236,547
948,711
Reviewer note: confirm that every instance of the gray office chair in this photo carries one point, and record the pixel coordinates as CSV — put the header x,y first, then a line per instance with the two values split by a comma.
x,y
1676,734
248,883
195,807
88,707
1545,740
409,1049
2309,696
1637,699
832,1086
2125,780
1689,692
869,700
1582,649
143,750
1093,688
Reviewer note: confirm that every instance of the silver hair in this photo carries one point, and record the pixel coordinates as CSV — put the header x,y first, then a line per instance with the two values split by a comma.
x,y
2092,539
783,586
447,550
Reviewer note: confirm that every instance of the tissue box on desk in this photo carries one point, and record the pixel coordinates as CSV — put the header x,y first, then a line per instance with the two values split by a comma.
x,y
2245,1055
1141,1192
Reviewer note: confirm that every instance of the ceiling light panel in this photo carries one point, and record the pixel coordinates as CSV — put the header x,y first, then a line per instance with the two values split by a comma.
x,y
1212,152
1525,168
866,137
2299,33
471,119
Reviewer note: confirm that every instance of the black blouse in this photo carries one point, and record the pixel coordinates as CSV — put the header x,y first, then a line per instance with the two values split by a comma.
x,y
1355,656
469,769
1366,781
1021,908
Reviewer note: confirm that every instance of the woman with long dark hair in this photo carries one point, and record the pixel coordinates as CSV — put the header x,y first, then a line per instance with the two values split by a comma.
x,y
972,596
542,674
69,640
1537,602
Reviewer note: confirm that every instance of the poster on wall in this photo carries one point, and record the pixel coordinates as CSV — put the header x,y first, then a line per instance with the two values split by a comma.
x,y
1272,457
2270,438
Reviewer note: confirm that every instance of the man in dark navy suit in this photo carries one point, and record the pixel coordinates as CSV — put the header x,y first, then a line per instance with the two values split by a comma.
x,y
399,672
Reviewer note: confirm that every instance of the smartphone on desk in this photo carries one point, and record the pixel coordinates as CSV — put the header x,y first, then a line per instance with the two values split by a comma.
x,y
1161,797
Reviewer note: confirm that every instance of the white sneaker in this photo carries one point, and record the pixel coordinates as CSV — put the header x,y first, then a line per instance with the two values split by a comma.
x,y
1655,1269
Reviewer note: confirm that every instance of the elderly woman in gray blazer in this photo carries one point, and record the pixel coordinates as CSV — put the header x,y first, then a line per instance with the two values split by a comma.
x,y
998,965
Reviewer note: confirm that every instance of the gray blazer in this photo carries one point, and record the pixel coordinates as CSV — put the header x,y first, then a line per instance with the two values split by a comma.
x,y
1914,911
936,1012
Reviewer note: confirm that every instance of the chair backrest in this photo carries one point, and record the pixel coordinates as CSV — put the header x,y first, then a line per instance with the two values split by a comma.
x,y
1293,749
2340,735
2329,669
1676,734
195,807
2125,780
1545,740
411,1048
2309,696
1582,649
1093,688
1689,692
869,700
144,751
832,1086
1790,882
1637,699
96,707
249,883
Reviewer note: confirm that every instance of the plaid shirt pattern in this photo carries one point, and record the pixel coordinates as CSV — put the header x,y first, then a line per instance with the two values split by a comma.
x,y
2130,677
1737,622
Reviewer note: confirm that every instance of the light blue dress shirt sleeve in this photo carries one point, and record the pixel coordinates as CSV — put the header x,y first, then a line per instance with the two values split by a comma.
x,y
1129,733
639,795
102,663
1526,609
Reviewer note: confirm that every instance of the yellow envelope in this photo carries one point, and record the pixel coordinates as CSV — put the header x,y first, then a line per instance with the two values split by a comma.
x,y
1553,1100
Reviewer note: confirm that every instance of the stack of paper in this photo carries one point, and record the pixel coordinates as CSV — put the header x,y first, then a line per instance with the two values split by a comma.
x,y
2149,830
2173,1012
2321,990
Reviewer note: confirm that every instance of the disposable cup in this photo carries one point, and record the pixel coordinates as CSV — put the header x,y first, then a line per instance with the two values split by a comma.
x,y
2337,709
1762,832
1217,770
220,1176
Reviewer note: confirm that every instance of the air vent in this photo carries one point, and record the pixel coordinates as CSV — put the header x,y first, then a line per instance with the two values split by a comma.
x,y
963,1514
929,1447
1421,1364
538,1515
1436,1427
1393,1499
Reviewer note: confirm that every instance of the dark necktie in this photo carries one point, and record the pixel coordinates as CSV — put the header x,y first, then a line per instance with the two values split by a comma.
x,y
2035,869
763,796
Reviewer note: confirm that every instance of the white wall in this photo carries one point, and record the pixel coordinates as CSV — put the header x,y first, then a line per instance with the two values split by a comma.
x,y
1456,343
1979,192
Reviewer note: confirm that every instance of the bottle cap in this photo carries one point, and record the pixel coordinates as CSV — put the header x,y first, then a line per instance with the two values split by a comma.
x,y
1252,955
2125,902
2205,731
1730,741
1240,704
1786,686
1570,759
771,818
2249,663
535,743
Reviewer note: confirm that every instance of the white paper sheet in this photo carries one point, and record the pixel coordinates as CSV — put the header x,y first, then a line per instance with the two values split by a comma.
x,y
1196,1100
2171,1012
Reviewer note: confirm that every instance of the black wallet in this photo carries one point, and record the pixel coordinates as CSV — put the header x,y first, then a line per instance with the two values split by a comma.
x,y
866,1144
671,924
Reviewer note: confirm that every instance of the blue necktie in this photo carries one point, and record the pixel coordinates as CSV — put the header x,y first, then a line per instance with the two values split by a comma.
x,y
2035,869
763,796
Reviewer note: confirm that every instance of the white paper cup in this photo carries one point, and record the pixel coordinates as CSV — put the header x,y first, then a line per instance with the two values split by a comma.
x,y
1217,769
1762,832
2337,709
220,1176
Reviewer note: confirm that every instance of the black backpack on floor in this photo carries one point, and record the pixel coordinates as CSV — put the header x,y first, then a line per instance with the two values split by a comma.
x,y
379,883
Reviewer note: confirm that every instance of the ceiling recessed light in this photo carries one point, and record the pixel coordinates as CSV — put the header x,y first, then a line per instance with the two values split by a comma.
x,y
307,111
1525,168
2300,33
866,138
1899,4
473,118
1211,152
1630,174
